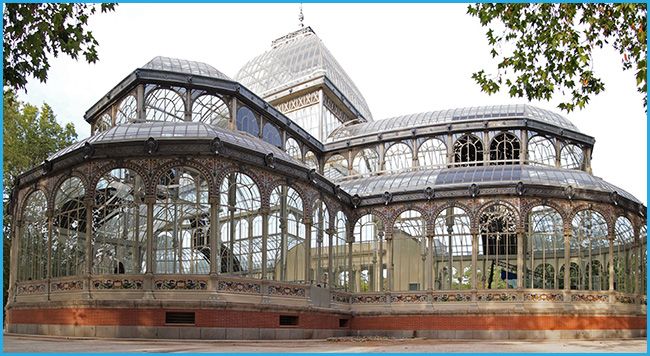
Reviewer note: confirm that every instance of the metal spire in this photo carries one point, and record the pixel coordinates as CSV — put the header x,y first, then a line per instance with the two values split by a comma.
x,y
301,17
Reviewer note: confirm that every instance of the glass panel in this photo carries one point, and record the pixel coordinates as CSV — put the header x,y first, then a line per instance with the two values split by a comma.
x,y
452,250
410,252
369,255
544,248
210,109
497,249
32,255
119,224
589,252
69,230
286,241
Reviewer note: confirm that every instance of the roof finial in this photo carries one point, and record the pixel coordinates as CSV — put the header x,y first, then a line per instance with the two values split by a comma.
x,y
301,17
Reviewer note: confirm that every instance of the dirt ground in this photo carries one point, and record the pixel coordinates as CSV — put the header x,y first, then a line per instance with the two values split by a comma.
x,y
13,343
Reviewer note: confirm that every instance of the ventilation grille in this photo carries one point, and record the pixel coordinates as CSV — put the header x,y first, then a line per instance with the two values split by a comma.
x,y
179,318
288,320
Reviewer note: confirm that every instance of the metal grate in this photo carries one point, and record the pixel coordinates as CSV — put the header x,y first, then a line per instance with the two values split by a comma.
x,y
179,318
288,320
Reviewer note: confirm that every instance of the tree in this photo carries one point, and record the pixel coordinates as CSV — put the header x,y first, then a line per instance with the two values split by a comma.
x,y
30,136
35,30
548,47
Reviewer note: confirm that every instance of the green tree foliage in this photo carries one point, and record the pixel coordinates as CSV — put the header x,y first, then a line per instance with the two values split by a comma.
x,y
542,48
33,31
30,136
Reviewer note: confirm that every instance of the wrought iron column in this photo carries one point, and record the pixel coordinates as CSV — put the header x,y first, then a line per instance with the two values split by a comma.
x,y
474,232
265,235
308,224
389,258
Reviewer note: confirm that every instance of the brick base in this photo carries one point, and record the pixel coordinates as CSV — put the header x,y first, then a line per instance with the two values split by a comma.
x,y
253,325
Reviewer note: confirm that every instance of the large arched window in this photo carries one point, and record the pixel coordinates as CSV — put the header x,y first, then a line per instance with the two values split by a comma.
x,y
504,149
410,252
339,272
164,105
69,230
286,241
541,151
128,110
335,167
369,255
365,163
572,157
181,223
119,223
210,109
247,122
624,256
320,242
104,123
589,251
497,248
311,160
543,248
468,151
452,250
271,135
32,256
398,157
432,154
292,148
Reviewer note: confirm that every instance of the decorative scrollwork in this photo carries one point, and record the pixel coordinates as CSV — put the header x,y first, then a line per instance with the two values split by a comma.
x,y
356,200
269,160
150,145
473,190
311,175
429,193
387,197
88,150
569,192
216,145
613,197
520,188
47,167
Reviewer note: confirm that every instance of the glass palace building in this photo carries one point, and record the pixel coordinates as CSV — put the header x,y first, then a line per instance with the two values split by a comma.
x,y
273,206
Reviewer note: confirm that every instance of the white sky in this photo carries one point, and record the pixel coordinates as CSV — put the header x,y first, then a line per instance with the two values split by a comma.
x,y
404,58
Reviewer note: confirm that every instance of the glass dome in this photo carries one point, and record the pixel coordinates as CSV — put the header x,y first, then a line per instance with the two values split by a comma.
x,y
177,130
297,58
184,66
494,112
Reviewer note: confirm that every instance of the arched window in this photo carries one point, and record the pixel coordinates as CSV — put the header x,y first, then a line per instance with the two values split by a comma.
x,y
643,258
504,149
365,163
336,167
286,240
128,111
541,151
339,272
104,123
468,151
572,157
119,223
240,235
311,160
410,252
432,154
164,105
369,255
292,148
497,246
271,135
452,250
182,222
32,256
320,242
247,122
624,257
544,248
210,109
589,244
69,230
398,157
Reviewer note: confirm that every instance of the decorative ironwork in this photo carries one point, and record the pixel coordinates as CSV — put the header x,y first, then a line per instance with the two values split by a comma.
x,y
216,145
150,145
269,160
473,190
